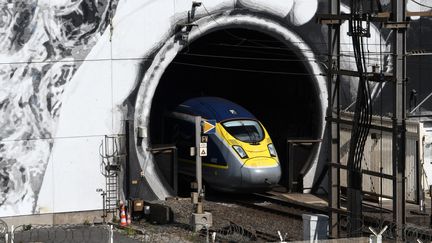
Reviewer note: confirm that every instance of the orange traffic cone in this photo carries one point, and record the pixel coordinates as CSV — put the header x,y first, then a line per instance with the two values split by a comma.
x,y
122,215
129,220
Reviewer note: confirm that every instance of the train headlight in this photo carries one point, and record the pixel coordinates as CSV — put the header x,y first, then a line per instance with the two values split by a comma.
x,y
240,151
272,150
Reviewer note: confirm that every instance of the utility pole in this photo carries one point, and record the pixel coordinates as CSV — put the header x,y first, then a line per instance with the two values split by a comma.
x,y
333,112
398,19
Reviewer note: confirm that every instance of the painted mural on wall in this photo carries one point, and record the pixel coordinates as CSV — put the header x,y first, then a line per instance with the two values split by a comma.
x,y
40,48
65,72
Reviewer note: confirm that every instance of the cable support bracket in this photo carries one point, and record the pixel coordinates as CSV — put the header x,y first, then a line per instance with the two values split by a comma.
x,y
351,122
337,19
370,76
396,25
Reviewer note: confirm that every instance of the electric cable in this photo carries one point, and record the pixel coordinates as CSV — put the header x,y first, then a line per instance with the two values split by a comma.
x,y
421,4
247,70
284,48
225,30
363,109
249,58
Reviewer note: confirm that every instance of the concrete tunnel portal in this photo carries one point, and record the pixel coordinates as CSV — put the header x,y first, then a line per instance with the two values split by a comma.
x,y
252,69
259,64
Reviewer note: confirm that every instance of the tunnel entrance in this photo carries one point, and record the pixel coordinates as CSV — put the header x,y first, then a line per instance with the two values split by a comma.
x,y
252,69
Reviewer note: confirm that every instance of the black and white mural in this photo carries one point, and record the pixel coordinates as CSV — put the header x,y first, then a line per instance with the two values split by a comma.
x,y
69,68
42,45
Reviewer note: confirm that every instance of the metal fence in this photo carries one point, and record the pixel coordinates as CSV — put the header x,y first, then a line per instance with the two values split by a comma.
x,y
98,233
410,232
56,233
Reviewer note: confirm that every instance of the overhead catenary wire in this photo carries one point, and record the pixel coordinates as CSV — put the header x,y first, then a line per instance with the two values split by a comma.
x,y
259,59
247,70
225,30
250,58
309,42
288,49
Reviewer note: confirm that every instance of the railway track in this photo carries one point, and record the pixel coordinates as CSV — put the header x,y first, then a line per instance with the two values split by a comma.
x,y
304,207
286,207
270,204
411,231
253,235
275,205
263,203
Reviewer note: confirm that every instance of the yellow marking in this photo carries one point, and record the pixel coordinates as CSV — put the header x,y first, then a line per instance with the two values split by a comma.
x,y
258,155
204,164
207,126
258,162
257,149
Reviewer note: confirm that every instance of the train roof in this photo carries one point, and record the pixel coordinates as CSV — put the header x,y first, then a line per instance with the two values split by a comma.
x,y
214,108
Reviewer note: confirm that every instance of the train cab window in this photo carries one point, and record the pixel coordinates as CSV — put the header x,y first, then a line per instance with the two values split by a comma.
x,y
248,131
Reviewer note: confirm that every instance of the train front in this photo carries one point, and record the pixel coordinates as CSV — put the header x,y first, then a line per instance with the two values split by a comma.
x,y
259,164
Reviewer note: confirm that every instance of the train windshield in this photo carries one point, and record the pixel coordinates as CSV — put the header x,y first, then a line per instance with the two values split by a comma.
x,y
248,131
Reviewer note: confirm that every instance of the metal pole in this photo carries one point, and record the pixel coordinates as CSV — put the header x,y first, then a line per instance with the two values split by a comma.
x,y
430,219
333,112
290,166
111,233
12,233
198,162
127,166
104,211
399,116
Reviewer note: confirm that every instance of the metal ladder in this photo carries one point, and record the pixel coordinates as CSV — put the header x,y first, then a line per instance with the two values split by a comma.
x,y
111,189
113,154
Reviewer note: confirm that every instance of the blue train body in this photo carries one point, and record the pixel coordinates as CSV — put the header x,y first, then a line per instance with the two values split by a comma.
x,y
241,156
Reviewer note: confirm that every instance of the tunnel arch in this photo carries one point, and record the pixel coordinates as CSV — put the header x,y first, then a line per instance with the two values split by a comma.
x,y
207,25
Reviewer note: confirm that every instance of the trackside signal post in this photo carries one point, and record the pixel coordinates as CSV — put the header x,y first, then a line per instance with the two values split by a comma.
x,y
200,219
198,195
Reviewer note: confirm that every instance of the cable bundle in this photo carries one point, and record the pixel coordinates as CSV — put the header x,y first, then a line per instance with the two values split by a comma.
x,y
363,108
362,117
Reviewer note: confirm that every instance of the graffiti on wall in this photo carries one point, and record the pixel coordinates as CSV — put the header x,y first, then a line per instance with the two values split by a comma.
x,y
41,46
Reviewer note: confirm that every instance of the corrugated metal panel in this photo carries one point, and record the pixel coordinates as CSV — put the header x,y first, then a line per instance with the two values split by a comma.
x,y
378,153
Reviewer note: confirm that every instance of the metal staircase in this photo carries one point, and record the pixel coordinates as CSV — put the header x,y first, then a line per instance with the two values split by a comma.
x,y
113,154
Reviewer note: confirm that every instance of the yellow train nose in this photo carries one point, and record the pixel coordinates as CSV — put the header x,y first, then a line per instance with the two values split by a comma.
x,y
260,162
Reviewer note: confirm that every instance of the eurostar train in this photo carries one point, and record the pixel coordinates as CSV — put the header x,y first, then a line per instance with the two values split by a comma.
x,y
240,155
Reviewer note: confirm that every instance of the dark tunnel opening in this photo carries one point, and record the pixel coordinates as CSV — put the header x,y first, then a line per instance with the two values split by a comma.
x,y
252,69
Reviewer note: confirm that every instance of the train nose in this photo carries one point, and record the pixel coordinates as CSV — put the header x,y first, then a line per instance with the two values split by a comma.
x,y
260,177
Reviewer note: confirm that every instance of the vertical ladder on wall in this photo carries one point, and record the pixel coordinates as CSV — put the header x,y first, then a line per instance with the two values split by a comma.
x,y
113,153
111,189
